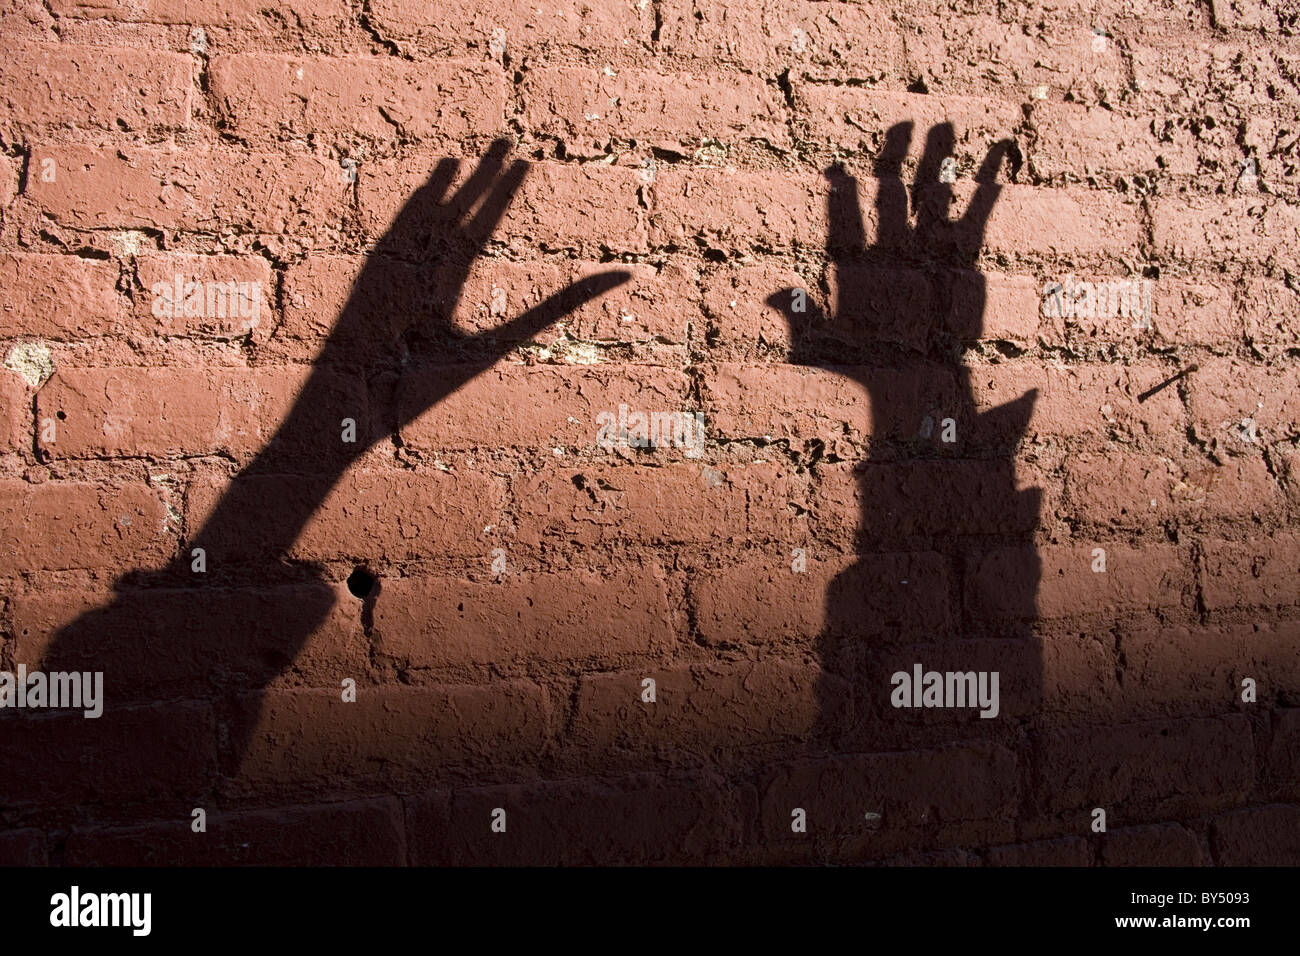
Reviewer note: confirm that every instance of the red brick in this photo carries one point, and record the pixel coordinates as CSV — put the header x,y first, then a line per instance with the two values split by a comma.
x,y
921,797
652,308
737,210
1090,401
889,501
1262,571
760,34
264,97
1167,844
735,301
232,635
854,119
311,14
585,108
1058,222
1211,229
640,818
378,514
1177,669
59,525
58,297
699,709
364,833
826,404
999,308
540,406
433,622
1269,309
390,733
602,27
960,52
1082,141
191,189
1271,654
1196,313
16,406
1146,772
683,503
233,312
164,753
98,87
768,603
1259,836
1226,392
171,411
1150,577
599,204
1142,491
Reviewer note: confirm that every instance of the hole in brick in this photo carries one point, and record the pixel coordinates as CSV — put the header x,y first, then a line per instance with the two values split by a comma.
x,y
62,415
361,582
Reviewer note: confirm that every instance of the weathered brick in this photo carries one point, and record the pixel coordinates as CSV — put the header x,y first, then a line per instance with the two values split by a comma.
x,y
759,34
585,107
58,297
370,513
1262,571
172,411
115,89
1226,393
190,189
58,525
1066,851
163,753
603,27
540,406
216,636
220,296
311,14
1147,772
390,733
264,97
1083,141
769,602
683,503
952,789
16,407
362,833
1195,227
427,622
699,709
1141,491
557,205
1058,581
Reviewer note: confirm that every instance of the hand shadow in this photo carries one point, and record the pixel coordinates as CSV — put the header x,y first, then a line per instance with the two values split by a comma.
x,y
929,508
176,634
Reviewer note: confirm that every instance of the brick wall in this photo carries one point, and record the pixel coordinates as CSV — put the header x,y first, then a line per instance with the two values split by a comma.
x,y
468,231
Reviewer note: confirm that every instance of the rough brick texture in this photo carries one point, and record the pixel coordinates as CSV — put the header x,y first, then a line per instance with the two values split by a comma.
x,y
589,411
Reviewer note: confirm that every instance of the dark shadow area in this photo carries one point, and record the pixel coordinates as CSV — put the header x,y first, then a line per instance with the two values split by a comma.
x,y
391,356
937,489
